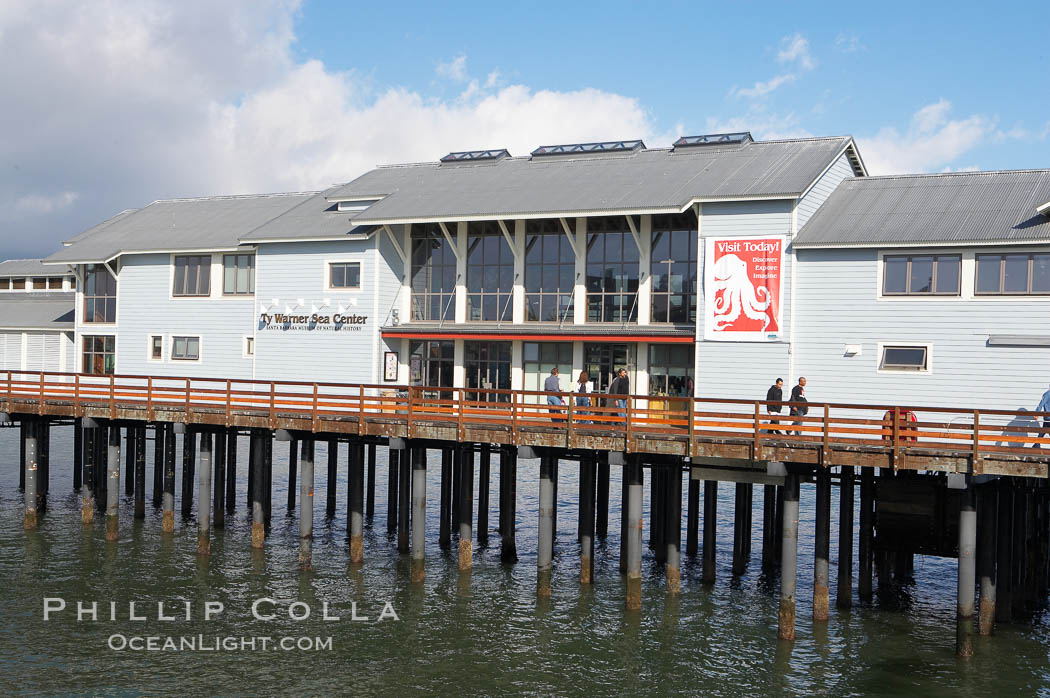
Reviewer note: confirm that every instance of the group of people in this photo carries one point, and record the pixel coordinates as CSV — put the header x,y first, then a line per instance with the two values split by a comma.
x,y
775,396
619,389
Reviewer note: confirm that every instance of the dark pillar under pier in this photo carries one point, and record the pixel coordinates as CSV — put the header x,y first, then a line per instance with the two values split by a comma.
x,y
788,560
740,531
1004,551
556,471
23,431
333,477
692,534
44,456
769,532
710,528
404,493
129,461
658,514
189,464
601,517
466,513
78,454
484,486
30,471
457,471
822,546
370,493
673,529
139,441
355,521
167,524
444,509
88,488
508,477
158,463
623,519
392,476
844,592
865,549
231,470
257,492
966,573
218,506
267,471
293,468
306,506
986,514
588,473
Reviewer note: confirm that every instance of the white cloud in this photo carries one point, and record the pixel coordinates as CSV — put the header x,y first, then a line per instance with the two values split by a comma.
x,y
932,141
456,69
796,49
760,89
762,125
36,203
849,43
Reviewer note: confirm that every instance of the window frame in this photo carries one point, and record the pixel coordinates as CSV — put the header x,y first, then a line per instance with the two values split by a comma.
x,y
173,343
908,293
543,230
664,266
479,233
251,274
623,302
328,268
175,274
1002,274
85,354
93,299
248,347
150,357
898,369
422,279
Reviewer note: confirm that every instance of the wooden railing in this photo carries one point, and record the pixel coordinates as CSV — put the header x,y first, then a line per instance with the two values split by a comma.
x,y
899,429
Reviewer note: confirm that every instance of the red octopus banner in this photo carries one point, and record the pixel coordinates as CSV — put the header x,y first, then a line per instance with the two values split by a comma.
x,y
743,278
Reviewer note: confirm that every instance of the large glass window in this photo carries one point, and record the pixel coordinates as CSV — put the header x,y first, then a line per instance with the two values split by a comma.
x,y
100,355
430,363
238,274
192,275
1013,274
921,275
487,367
602,360
539,358
612,271
100,295
433,274
490,273
550,272
671,369
673,268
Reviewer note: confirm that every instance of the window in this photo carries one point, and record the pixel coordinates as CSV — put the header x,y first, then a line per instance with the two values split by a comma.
x,y
433,274
550,272
185,348
921,275
249,346
1013,274
612,271
55,283
5,284
487,366
156,347
431,363
602,360
904,358
344,275
238,274
100,354
39,283
100,295
673,268
671,369
18,284
539,358
490,273
73,283
192,276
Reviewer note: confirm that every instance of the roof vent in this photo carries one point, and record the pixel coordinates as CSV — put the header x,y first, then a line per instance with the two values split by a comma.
x,y
584,148
714,139
476,155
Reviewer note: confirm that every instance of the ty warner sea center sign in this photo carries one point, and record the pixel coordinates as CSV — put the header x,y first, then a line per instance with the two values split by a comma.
x,y
312,322
742,288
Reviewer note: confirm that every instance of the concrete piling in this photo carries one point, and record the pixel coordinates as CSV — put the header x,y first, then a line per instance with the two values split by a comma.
x,y
588,474
306,506
404,494
419,512
204,484
22,430
623,519
692,528
139,444
986,514
231,471
355,519
333,475
788,560
1004,552
865,549
167,524
508,478
219,480
189,465
844,592
258,488
634,533
158,464
601,516
545,527
484,487
673,530
392,476
769,530
30,469
293,468
445,506
88,487
710,528
966,573
822,546
466,513
113,489
370,492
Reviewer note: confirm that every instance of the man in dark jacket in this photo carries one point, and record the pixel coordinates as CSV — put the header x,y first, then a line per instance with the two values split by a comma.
x,y
621,386
775,394
798,394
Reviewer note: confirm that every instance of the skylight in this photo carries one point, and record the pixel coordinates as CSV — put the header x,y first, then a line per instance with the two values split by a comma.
x,y
603,147
714,139
476,155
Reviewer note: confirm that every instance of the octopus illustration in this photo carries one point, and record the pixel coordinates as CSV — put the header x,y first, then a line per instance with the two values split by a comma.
x,y
735,294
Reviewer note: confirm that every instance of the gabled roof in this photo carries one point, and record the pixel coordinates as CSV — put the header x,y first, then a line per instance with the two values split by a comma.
x,y
946,209
175,225
657,180
316,218
36,311
26,267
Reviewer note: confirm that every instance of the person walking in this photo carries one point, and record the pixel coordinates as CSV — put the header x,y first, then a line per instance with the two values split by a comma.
x,y
798,394
775,394
583,391
552,386
1044,406
621,386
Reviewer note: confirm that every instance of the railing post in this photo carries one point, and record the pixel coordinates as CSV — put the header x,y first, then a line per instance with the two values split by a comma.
x,y
896,438
149,398
569,435
76,393
461,433
977,466
229,401
187,401
112,397
273,405
40,407
692,425
825,459
627,425
313,412
360,412
513,418
756,446
409,415
9,380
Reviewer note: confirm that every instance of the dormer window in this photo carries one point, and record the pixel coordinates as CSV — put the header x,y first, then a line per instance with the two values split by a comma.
x,y
354,206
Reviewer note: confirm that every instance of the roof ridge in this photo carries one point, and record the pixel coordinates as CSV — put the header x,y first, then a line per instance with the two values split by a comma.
x,y
969,173
230,197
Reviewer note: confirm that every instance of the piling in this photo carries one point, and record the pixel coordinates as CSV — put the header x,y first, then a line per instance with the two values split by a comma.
x,y
867,532
23,428
258,490
466,504
333,475
445,514
306,506
778,523
634,533
601,516
30,469
788,560
545,527
419,512
623,519
88,487
254,457
740,531
692,527
822,546
588,474
508,508
129,461
167,524
769,530
710,527
673,530
219,480
484,486
1004,552
392,476
204,482
78,454
101,463
986,513
370,493
139,442
231,470
656,496
158,464
844,593
113,489
267,473
555,468
404,493
966,573
457,471
293,467
189,464
355,519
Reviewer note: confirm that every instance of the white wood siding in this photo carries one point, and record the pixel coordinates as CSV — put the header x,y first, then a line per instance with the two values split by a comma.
x,y
820,191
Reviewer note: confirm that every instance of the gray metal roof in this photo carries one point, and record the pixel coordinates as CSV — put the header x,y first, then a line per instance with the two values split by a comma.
x,y
946,209
313,218
26,267
650,180
177,224
37,311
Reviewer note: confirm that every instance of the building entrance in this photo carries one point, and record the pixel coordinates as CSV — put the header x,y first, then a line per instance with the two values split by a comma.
x,y
601,360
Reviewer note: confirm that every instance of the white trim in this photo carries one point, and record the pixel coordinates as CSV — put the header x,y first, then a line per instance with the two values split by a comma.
x,y
352,237
792,294
898,371
826,170
377,337
931,245
200,349
326,276
27,328
369,197
1044,209
966,278
149,347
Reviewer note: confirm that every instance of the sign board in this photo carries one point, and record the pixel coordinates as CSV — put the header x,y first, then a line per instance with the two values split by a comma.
x,y
390,366
743,278
313,322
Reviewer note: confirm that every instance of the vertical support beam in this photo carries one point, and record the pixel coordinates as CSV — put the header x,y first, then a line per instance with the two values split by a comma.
x,y
769,529
30,469
624,534
113,489
167,524
673,530
370,494
555,467
231,470
258,488
88,487
1004,551
189,464
219,481
392,476
545,527
508,477
601,520
158,463
78,454
692,535
267,471
138,434
254,458
788,560
867,531
822,547
634,533
293,467
101,476
739,529
986,512
419,512
710,527
844,593
658,513
129,461
204,483
457,472
466,503
586,512
306,506
966,573
749,520
445,514
355,519
404,493
484,486
333,477
23,429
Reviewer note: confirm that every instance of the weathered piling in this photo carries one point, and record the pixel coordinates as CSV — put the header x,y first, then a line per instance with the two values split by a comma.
x,y
844,593
822,546
101,463
445,514
1004,552
44,458
404,504
219,480
508,508
656,516
966,573
254,466
710,528
865,550
555,472
189,465
588,473
740,532
673,529
258,490
139,444
113,490
392,476
986,514
333,475
204,483
634,476
466,513
167,523
601,516
788,560
545,526
78,454
306,506
370,492
778,523
231,471
22,431
692,528
30,469
87,486
158,463
355,520
267,472
749,495
457,471
623,519
769,531
129,461
293,468
419,512
484,486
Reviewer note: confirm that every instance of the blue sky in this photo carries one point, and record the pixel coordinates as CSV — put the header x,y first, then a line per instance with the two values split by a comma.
x,y
110,106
